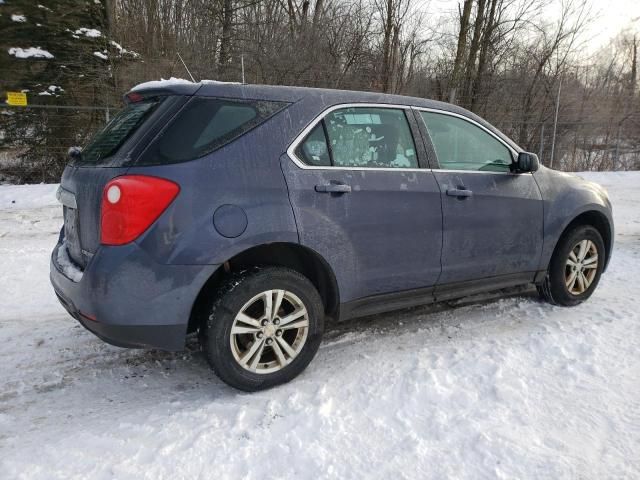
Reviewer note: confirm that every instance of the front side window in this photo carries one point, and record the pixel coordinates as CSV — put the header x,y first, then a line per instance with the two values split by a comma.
x,y
461,145
206,124
360,137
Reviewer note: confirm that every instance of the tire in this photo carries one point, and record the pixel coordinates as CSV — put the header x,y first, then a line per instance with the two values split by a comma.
x,y
229,354
554,288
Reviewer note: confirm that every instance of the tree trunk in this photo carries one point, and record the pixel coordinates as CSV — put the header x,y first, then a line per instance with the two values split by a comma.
x,y
291,11
386,46
462,47
317,11
225,42
484,53
473,53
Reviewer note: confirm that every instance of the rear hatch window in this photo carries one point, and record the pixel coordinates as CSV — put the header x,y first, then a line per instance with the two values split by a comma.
x,y
122,126
206,124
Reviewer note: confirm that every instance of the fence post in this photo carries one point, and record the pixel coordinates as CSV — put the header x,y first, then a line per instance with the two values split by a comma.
x,y
616,155
106,115
541,151
555,124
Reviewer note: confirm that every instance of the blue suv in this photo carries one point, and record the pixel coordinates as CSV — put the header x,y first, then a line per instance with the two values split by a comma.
x,y
250,214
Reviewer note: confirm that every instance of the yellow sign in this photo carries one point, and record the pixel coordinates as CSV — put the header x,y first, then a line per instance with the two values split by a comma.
x,y
18,99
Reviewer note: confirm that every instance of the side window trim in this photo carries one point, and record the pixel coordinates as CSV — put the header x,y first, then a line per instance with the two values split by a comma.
x,y
430,157
418,141
291,150
429,143
326,139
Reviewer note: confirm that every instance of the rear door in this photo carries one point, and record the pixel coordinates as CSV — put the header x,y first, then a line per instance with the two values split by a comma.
x,y
492,225
364,202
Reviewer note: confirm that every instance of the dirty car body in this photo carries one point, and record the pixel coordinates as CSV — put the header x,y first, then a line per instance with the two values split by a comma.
x,y
277,186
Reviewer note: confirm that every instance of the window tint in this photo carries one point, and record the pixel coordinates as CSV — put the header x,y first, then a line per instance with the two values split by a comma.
x,y
461,145
108,140
370,137
314,151
206,124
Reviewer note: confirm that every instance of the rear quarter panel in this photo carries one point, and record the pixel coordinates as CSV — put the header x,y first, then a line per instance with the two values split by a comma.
x,y
245,173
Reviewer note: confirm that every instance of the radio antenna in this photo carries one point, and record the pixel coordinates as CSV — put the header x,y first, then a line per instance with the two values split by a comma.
x,y
186,68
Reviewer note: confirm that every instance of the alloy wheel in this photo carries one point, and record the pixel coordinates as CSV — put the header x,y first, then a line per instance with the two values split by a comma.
x,y
269,331
581,267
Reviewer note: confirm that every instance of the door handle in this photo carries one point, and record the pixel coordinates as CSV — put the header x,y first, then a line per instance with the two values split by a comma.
x,y
459,192
333,188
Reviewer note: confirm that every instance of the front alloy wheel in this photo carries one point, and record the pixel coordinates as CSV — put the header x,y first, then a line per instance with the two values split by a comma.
x,y
575,267
581,267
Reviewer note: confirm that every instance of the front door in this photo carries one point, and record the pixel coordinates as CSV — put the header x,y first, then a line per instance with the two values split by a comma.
x,y
363,203
492,218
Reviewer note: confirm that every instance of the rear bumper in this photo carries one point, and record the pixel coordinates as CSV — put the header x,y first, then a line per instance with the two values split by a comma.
x,y
135,301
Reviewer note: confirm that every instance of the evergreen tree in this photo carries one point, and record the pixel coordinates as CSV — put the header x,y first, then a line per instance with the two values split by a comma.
x,y
60,54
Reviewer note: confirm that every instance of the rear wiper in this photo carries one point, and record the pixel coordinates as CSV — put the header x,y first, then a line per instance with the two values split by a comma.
x,y
75,153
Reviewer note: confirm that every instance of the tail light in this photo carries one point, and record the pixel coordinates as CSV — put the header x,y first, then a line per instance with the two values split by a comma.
x,y
130,204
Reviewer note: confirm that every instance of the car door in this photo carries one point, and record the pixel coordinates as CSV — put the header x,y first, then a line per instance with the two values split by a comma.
x,y
492,218
363,202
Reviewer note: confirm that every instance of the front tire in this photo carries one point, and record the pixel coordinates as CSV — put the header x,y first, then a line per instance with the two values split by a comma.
x,y
264,328
575,267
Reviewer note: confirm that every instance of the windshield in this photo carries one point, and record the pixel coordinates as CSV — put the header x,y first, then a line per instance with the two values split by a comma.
x,y
107,141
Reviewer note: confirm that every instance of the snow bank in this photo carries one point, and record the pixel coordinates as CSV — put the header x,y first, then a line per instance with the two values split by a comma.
x,y
27,196
32,52
101,55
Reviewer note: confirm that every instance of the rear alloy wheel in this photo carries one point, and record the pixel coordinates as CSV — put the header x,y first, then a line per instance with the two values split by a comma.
x,y
575,268
269,331
264,328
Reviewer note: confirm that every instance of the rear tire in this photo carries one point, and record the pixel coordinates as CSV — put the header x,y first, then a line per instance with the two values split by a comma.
x,y
263,329
575,267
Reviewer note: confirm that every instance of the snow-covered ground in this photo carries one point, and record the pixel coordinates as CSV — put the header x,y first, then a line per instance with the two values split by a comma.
x,y
512,388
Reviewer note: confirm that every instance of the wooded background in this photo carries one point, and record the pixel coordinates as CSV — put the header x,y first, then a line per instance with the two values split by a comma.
x,y
507,60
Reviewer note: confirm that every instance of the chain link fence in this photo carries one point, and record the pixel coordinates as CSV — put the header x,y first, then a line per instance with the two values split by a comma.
x,y
34,141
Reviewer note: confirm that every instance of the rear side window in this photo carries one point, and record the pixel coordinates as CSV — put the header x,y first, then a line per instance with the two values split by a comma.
x,y
314,151
206,124
108,140
360,137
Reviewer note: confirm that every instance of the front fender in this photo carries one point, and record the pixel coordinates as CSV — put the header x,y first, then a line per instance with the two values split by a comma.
x,y
565,198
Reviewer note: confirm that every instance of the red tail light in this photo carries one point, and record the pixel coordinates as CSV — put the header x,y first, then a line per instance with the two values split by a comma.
x,y
130,204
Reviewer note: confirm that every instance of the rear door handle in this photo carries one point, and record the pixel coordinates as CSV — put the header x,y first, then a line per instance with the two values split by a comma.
x,y
459,192
333,188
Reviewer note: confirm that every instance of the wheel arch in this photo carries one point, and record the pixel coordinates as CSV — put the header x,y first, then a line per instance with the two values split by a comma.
x,y
282,254
596,219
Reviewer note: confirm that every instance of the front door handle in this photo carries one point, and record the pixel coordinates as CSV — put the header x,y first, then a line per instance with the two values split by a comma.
x,y
459,192
333,188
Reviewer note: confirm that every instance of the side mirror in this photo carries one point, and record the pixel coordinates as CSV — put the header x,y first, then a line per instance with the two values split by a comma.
x,y
527,162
